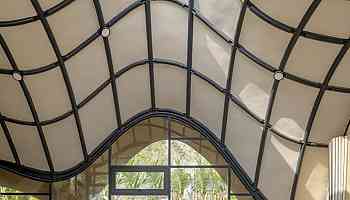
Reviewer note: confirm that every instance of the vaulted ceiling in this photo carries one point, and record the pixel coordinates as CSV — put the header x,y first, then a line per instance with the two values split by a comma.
x,y
268,80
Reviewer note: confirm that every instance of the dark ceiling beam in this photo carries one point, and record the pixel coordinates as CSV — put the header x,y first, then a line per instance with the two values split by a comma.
x,y
189,56
172,63
211,26
109,58
314,111
30,103
26,20
64,72
10,141
307,16
150,51
234,47
310,35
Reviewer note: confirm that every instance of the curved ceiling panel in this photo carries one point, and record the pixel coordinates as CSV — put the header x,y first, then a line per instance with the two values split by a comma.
x,y
313,182
5,150
14,10
49,103
13,101
266,80
128,39
243,138
169,23
29,45
166,76
54,134
45,5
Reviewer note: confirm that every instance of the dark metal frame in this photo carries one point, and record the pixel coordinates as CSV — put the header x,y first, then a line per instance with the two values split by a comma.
x,y
47,194
104,146
65,75
117,191
154,111
109,58
189,57
166,169
275,85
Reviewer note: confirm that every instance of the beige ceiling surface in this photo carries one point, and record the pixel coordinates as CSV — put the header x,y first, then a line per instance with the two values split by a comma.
x,y
259,113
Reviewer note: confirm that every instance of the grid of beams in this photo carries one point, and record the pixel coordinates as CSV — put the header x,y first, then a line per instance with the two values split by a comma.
x,y
61,59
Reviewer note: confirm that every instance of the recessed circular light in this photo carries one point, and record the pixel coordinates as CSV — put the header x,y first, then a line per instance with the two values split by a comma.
x,y
17,76
105,32
278,75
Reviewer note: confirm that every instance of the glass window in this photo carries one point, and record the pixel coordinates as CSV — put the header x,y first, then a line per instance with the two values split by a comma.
x,y
198,183
139,198
139,180
92,184
158,159
196,169
14,187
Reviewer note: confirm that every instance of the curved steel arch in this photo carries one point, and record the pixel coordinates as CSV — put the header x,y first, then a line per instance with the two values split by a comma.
x,y
45,176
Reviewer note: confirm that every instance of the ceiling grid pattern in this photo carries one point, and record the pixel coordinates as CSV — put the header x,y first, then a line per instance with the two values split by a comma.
x,y
237,49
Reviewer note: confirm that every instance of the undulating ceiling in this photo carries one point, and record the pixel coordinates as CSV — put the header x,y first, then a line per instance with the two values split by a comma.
x,y
267,80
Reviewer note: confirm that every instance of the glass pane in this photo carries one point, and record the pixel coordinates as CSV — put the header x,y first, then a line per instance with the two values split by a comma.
x,y
207,105
241,197
179,130
20,197
211,54
18,184
32,154
139,197
278,166
145,144
195,152
91,184
167,76
133,85
199,183
169,23
139,180
236,186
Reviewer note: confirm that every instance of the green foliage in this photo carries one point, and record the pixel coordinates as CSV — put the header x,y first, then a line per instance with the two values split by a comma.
x,y
204,182
154,154
13,197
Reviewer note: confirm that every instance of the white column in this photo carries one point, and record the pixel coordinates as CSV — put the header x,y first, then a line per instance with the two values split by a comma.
x,y
338,169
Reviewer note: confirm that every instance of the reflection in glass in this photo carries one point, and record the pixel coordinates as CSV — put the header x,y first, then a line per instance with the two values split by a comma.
x,y
7,190
92,184
139,197
197,170
198,184
139,180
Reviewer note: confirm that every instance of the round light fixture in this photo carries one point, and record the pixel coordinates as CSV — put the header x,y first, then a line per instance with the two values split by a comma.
x,y
278,75
17,76
105,32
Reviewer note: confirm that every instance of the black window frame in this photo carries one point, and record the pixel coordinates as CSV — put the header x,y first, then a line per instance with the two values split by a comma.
x,y
140,192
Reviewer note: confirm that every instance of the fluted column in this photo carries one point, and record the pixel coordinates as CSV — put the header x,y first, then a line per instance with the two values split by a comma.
x,y
338,168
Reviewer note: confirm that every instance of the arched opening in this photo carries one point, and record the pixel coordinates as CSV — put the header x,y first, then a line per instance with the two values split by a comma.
x,y
140,164
157,158
189,182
